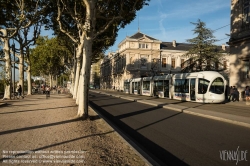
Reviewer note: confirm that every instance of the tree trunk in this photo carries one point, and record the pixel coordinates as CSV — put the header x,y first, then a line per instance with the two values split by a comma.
x,y
21,69
78,89
72,81
50,80
77,78
29,80
78,66
6,50
83,100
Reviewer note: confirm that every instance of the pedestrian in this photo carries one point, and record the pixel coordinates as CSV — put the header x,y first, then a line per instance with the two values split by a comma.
x,y
247,93
230,96
234,94
19,91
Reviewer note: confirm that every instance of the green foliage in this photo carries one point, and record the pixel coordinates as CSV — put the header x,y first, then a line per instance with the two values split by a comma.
x,y
15,14
203,55
47,57
110,16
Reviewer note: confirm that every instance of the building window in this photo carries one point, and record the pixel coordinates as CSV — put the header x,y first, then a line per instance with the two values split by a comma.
x,y
246,11
143,45
182,63
164,62
173,63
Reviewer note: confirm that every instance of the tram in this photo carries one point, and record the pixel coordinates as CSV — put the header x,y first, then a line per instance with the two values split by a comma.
x,y
202,87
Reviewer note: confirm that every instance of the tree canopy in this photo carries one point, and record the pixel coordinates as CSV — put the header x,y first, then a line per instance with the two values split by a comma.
x,y
48,57
204,54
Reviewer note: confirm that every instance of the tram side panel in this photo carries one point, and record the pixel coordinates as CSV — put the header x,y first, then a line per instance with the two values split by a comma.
x,y
136,86
204,87
162,86
181,89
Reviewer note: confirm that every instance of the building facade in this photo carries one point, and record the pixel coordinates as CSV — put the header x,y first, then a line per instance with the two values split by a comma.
x,y
240,45
95,75
143,56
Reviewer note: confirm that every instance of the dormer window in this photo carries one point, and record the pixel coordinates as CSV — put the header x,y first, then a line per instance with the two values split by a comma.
x,y
143,45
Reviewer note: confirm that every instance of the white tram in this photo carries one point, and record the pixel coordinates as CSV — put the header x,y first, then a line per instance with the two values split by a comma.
x,y
203,87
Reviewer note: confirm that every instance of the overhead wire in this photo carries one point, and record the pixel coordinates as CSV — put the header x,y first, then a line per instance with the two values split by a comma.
x,y
221,27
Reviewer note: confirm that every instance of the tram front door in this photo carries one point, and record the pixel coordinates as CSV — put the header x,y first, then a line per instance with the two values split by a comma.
x,y
192,89
166,88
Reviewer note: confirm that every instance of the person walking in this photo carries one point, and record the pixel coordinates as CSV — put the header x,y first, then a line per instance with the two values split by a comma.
x,y
247,93
19,91
234,94
230,96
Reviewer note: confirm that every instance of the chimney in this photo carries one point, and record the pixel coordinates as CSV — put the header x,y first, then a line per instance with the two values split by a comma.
x,y
174,43
223,47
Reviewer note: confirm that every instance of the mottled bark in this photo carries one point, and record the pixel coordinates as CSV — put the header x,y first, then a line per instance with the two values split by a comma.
x,y
6,50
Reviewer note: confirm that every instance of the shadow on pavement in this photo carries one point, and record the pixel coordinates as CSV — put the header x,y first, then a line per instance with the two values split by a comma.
x,y
34,110
163,156
39,126
49,146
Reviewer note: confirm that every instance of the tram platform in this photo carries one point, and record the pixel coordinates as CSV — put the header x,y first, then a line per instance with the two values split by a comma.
x,y
231,112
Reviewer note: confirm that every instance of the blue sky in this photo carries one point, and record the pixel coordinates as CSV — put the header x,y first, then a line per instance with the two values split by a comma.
x,y
169,20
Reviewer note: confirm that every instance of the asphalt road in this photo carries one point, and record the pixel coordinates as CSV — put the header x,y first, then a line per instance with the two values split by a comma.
x,y
175,138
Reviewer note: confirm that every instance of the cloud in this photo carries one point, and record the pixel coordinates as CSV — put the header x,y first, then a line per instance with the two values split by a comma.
x,y
161,25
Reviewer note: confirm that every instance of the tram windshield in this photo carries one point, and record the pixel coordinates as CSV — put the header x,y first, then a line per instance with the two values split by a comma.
x,y
203,86
217,86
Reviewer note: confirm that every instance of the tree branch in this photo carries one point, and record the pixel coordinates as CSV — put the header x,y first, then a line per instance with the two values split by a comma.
x,y
59,13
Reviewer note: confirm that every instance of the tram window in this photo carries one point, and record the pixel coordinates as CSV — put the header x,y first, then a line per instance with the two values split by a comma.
x,y
202,86
126,85
217,86
177,85
146,85
185,85
159,85
181,85
136,87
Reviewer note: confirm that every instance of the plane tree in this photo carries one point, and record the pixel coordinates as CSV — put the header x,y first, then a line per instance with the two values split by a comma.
x,y
47,58
16,15
93,18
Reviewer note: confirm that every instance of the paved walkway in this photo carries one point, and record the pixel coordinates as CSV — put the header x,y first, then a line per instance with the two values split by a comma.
x,y
39,131
231,112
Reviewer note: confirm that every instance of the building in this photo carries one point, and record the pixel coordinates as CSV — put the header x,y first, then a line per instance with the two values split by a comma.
x,y
140,56
240,45
95,75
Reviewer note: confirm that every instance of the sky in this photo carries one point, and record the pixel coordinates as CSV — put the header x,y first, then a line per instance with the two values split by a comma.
x,y
169,20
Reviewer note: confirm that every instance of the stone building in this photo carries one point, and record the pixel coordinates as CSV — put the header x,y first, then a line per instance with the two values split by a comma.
x,y
95,75
141,56
240,45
